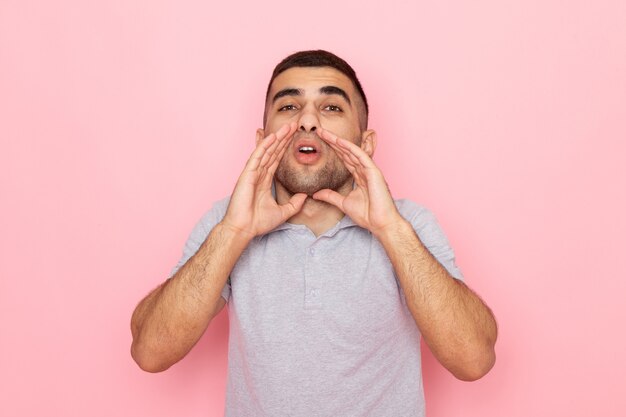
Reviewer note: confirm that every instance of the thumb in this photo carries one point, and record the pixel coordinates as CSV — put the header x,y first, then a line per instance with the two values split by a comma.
x,y
293,206
331,197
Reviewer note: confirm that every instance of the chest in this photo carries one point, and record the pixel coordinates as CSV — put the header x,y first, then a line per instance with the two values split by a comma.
x,y
288,285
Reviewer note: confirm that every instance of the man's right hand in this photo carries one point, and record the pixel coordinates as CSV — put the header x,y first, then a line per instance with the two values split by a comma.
x,y
253,209
172,318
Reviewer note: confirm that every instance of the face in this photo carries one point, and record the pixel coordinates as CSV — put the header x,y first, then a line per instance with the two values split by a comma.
x,y
313,98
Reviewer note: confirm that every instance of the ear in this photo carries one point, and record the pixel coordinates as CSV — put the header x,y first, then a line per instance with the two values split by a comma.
x,y
260,134
368,142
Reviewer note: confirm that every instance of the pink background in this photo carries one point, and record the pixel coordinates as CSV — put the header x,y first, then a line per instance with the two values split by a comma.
x,y
122,121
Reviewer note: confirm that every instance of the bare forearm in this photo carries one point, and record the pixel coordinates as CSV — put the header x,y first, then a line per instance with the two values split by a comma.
x,y
457,326
171,319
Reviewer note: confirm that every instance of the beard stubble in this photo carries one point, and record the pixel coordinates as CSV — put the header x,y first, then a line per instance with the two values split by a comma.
x,y
333,175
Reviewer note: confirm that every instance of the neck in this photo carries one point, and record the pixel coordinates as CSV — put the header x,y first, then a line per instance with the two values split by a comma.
x,y
318,216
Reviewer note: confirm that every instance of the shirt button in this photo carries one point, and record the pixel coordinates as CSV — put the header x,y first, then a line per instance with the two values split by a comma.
x,y
312,251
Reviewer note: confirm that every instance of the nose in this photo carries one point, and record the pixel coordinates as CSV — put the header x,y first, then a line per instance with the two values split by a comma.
x,y
309,121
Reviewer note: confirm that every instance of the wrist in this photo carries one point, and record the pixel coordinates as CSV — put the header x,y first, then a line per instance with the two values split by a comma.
x,y
394,229
233,234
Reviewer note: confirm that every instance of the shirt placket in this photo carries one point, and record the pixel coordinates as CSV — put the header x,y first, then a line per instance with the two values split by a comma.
x,y
312,277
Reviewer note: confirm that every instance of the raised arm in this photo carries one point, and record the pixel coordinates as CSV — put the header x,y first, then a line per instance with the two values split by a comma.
x,y
455,323
172,318
458,327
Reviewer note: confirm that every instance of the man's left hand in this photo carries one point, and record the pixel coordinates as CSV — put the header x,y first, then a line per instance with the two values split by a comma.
x,y
369,204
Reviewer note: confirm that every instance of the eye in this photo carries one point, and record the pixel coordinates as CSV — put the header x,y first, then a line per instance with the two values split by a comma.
x,y
333,108
287,107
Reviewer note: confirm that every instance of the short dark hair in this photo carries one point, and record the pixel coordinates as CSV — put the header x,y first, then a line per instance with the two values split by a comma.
x,y
319,58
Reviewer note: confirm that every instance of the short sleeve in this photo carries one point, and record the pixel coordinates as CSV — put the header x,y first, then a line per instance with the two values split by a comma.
x,y
430,234
199,234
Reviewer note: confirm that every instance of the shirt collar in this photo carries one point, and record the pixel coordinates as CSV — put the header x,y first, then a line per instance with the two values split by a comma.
x,y
344,223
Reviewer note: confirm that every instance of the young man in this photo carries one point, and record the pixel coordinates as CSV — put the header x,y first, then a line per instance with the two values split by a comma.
x,y
329,282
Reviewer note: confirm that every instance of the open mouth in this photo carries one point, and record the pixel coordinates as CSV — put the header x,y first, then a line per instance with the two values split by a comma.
x,y
307,149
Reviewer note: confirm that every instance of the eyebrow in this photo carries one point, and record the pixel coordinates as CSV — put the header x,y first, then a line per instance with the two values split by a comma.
x,y
287,92
332,90
327,90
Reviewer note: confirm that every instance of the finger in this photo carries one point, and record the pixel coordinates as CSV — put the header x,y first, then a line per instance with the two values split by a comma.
x,y
357,157
352,153
293,127
272,166
269,154
257,155
353,165
348,154
284,130
357,154
279,156
330,197
349,159
327,136
293,206
360,155
280,150
360,181
283,136
341,152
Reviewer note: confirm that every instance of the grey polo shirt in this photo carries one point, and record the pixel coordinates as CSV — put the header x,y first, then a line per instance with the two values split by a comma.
x,y
319,325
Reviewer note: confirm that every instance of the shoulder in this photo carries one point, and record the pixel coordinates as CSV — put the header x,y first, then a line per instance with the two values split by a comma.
x,y
430,234
201,230
214,215
416,214
424,223
209,220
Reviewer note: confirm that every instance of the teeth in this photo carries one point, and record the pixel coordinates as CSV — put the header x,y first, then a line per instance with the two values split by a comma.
x,y
307,149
